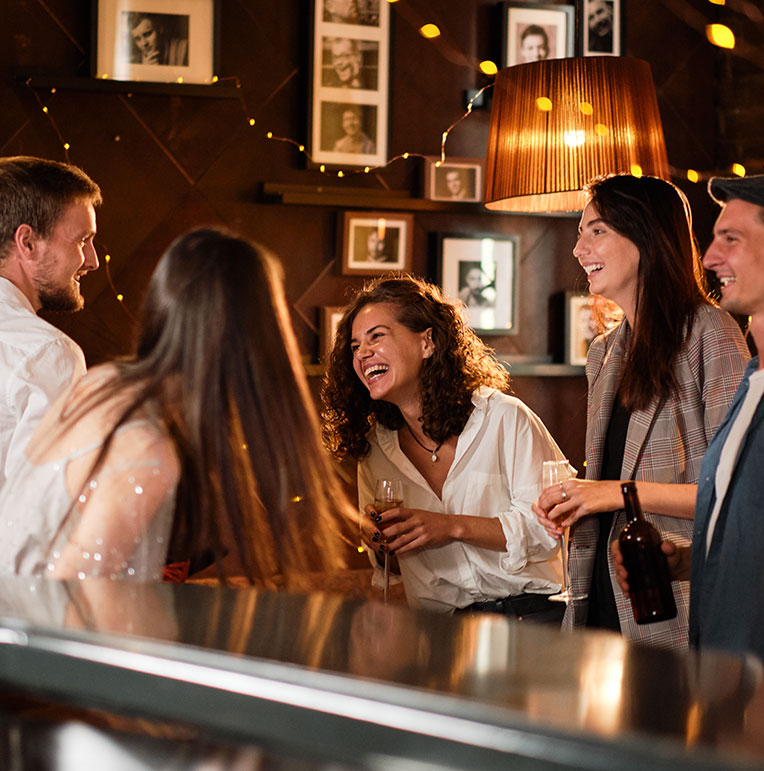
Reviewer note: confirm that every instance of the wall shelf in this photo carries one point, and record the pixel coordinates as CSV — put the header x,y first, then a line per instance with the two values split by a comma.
x,y
74,83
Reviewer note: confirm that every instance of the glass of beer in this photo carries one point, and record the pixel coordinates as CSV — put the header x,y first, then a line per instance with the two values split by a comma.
x,y
555,472
388,494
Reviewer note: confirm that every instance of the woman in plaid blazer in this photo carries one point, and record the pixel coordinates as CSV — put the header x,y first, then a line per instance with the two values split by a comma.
x,y
659,385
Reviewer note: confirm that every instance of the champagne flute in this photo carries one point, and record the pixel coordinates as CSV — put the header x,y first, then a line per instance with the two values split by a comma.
x,y
388,494
555,472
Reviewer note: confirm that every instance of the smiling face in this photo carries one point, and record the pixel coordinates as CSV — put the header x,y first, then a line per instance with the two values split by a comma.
x,y
351,122
611,261
600,17
346,60
388,356
534,48
64,258
736,255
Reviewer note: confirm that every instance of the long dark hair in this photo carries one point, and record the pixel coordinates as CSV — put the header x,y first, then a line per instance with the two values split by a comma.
x,y
216,354
461,362
655,216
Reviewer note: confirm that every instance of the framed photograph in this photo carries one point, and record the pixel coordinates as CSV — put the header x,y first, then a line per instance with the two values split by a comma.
x,y
376,242
349,94
586,316
481,271
164,41
600,26
536,31
456,179
327,327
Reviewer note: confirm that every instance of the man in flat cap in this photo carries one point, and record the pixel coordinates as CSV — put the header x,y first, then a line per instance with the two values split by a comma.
x,y
726,564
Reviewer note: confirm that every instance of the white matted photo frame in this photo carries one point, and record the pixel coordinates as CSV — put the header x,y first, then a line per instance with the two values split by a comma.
x,y
586,316
376,242
455,179
600,26
537,31
481,271
327,327
349,93
162,41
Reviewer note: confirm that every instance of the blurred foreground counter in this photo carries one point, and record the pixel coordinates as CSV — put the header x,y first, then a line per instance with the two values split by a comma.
x,y
127,676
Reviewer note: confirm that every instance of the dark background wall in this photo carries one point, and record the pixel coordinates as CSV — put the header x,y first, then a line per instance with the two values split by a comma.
x,y
168,161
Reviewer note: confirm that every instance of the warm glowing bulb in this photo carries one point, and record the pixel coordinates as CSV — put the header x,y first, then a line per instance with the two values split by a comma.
x,y
429,31
45,109
180,80
366,169
107,257
574,138
251,121
302,148
269,135
297,499
120,297
586,108
105,76
340,173
438,164
322,168
52,90
405,156
693,175
601,129
720,35
488,67
214,78
738,169
717,2
544,103
66,145
636,169
361,550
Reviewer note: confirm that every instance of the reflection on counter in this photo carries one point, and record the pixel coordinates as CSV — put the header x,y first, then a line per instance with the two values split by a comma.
x,y
557,697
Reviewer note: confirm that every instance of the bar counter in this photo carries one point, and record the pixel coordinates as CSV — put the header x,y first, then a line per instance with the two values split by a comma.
x,y
213,677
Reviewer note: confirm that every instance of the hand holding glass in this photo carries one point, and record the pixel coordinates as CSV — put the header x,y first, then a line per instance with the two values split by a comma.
x,y
388,494
555,472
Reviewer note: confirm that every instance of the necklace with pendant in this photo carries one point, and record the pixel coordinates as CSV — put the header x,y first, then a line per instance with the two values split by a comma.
x,y
434,452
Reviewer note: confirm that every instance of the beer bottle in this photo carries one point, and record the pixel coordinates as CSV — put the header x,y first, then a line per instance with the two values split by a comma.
x,y
652,598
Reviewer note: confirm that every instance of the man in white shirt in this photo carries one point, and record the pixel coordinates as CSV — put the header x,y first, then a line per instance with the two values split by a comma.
x,y
47,226
725,563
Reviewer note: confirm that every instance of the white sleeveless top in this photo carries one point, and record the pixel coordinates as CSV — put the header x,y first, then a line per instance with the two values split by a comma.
x,y
119,524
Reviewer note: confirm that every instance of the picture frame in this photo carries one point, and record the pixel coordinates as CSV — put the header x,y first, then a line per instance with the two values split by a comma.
x,y
161,41
330,316
481,271
586,317
376,242
350,76
455,179
537,31
600,26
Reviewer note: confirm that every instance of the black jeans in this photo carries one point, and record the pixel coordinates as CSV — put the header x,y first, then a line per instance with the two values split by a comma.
x,y
524,607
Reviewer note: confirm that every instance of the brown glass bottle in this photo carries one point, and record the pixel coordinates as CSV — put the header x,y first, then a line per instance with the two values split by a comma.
x,y
652,598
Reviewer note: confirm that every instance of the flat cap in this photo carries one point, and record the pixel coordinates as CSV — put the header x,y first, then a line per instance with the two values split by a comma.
x,y
750,189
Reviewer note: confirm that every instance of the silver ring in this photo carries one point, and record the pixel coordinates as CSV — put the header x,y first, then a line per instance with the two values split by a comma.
x,y
563,493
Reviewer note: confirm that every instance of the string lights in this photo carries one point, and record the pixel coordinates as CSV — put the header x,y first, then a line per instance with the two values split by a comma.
x,y
717,34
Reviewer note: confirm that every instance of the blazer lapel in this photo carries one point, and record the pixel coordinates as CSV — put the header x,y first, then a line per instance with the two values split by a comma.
x,y
604,384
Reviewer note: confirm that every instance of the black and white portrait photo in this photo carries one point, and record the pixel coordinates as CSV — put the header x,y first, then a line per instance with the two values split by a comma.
x,y
537,32
454,180
156,38
349,63
365,12
601,25
348,128
375,243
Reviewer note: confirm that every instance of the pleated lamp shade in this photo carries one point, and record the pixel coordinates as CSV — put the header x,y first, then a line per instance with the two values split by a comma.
x,y
557,124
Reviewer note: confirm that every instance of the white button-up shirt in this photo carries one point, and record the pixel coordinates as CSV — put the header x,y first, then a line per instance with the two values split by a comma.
x,y
37,363
496,472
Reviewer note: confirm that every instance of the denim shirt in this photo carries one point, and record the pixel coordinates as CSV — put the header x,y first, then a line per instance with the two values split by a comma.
x,y
726,585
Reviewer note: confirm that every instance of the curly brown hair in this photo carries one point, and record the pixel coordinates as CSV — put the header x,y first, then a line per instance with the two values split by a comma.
x,y
460,363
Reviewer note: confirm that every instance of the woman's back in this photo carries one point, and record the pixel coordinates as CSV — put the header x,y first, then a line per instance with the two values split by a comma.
x,y
65,520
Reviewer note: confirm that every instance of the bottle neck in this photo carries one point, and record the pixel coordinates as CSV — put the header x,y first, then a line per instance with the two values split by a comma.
x,y
631,502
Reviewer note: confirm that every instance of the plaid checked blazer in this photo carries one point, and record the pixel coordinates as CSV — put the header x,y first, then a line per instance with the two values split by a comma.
x,y
664,443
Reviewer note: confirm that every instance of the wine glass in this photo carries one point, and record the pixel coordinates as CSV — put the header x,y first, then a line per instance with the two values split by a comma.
x,y
388,494
555,472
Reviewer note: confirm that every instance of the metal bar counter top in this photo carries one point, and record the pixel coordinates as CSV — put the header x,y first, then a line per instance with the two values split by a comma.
x,y
337,683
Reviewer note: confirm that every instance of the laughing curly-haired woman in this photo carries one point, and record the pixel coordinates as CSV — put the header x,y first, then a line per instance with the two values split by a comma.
x,y
412,393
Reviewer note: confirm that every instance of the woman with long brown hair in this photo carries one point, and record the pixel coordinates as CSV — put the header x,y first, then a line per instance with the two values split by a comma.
x,y
412,393
659,383
205,439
